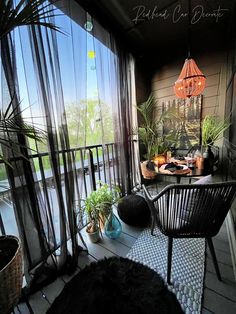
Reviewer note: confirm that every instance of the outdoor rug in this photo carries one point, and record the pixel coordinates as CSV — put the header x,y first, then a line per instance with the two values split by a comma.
x,y
188,265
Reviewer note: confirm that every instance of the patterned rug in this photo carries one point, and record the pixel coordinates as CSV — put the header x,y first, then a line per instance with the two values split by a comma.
x,y
188,265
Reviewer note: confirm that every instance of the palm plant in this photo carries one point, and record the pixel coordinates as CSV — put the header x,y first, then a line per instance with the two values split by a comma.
x,y
212,129
26,12
150,128
11,124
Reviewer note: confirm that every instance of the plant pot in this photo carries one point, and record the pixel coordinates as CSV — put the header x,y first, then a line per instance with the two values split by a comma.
x,y
113,227
147,173
11,273
94,236
208,161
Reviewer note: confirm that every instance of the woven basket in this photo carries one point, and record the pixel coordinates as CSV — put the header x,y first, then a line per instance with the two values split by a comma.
x,y
147,174
11,274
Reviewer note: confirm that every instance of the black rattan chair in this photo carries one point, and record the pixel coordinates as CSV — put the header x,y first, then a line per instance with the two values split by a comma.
x,y
191,211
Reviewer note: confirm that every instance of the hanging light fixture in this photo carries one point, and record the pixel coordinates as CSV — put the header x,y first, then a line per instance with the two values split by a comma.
x,y
191,81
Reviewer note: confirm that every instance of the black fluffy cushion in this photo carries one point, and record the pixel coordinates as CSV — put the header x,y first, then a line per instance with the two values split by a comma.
x,y
133,210
117,286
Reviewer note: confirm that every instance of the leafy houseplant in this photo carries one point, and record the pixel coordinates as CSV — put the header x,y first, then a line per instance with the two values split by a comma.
x,y
149,133
92,211
98,207
212,129
150,128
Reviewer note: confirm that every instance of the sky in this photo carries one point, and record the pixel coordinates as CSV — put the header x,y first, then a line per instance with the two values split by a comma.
x,y
77,60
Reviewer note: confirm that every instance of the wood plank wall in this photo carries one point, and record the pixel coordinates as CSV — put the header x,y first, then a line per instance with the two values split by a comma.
x,y
143,85
213,65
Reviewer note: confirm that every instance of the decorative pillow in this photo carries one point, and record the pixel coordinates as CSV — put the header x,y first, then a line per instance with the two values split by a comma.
x,y
205,180
212,207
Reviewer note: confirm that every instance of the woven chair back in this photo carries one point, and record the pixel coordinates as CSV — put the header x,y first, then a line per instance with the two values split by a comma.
x,y
185,210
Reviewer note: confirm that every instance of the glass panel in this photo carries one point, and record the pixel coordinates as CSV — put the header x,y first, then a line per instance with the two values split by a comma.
x,y
6,206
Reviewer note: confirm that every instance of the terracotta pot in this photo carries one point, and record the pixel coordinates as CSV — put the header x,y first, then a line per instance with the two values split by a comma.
x,y
146,173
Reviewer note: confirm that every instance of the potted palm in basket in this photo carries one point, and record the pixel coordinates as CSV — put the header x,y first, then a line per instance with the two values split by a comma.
x,y
150,134
12,126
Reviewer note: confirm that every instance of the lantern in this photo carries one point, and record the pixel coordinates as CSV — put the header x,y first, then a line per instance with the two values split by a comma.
x,y
191,81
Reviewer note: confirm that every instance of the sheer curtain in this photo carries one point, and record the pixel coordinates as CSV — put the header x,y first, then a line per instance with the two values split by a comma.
x,y
78,86
116,86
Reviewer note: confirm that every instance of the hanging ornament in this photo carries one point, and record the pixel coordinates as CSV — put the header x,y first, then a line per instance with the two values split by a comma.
x,y
88,26
191,81
91,54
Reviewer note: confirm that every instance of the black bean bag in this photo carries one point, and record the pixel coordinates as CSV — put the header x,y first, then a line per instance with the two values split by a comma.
x,y
133,210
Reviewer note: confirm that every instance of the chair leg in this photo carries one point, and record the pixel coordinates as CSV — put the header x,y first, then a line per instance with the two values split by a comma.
x,y
170,245
213,254
152,225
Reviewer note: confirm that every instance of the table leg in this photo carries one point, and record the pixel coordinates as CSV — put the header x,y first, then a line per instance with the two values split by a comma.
x,y
178,179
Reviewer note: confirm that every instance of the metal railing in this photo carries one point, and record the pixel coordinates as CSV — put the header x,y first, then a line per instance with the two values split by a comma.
x,y
90,164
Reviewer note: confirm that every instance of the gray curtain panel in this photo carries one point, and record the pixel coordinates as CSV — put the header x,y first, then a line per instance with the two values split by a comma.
x,y
78,86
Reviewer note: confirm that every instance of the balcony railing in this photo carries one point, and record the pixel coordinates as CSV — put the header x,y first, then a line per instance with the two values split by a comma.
x,y
90,165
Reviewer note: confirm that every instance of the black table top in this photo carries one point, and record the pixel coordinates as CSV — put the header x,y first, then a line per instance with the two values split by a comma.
x,y
194,172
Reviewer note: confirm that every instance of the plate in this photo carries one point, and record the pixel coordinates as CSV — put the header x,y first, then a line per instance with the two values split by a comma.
x,y
184,167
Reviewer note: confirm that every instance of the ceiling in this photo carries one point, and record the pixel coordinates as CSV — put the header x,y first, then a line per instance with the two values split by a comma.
x,y
152,27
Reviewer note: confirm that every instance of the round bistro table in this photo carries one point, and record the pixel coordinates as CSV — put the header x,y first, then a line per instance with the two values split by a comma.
x,y
194,172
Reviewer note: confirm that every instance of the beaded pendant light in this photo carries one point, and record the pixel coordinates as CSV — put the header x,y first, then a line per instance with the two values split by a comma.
x,y
191,81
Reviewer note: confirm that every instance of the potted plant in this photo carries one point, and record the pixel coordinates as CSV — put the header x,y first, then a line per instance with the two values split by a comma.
x,y
212,129
92,212
149,133
11,127
98,208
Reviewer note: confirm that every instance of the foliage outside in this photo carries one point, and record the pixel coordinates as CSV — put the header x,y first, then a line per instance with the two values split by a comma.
x,y
89,123
212,129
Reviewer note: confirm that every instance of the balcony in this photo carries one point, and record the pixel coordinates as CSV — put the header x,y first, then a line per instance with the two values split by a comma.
x,y
218,297
77,76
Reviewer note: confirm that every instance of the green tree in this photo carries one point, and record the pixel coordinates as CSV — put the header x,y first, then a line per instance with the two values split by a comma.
x,y
89,123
